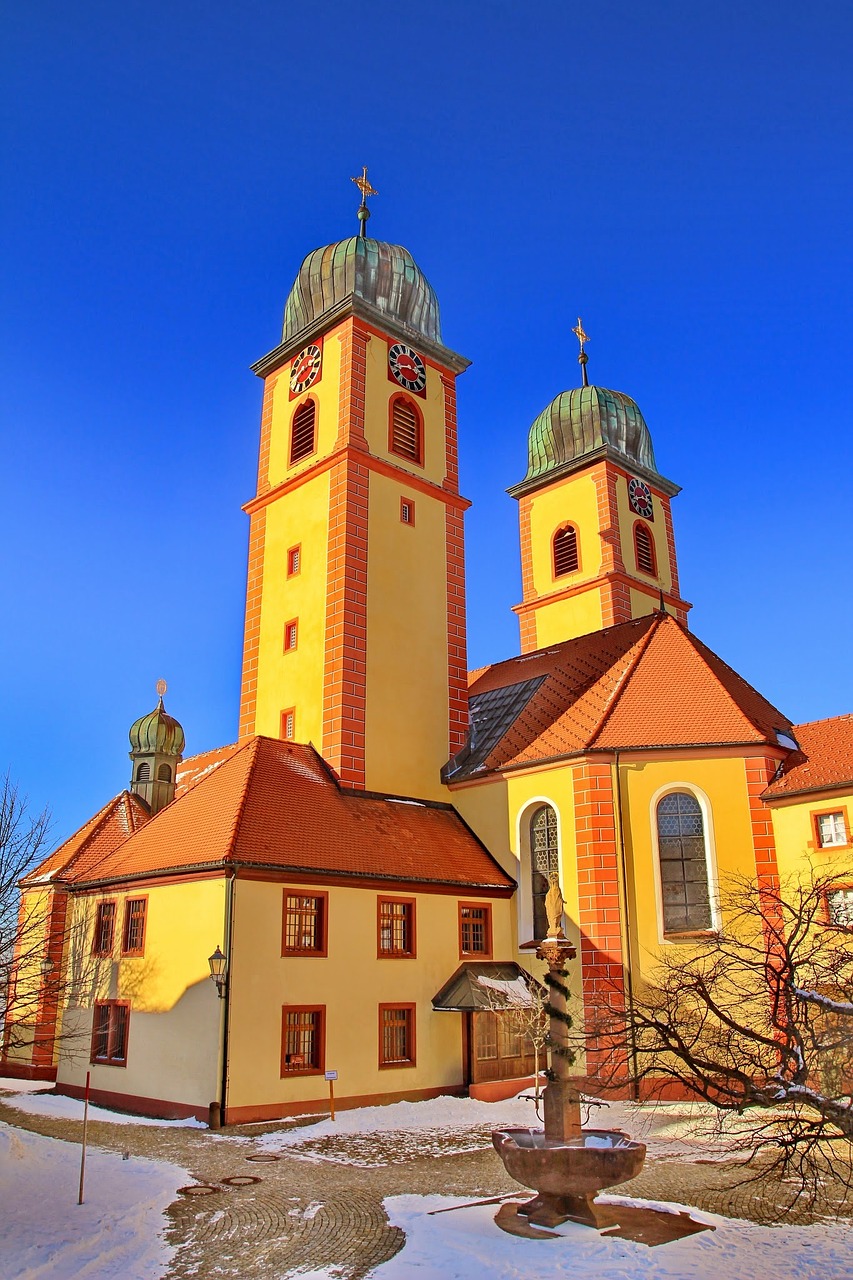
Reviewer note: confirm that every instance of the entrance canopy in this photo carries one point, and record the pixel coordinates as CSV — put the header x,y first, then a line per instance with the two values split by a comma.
x,y
487,984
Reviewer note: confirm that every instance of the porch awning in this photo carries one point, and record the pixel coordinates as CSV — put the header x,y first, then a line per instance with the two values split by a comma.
x,y
486,984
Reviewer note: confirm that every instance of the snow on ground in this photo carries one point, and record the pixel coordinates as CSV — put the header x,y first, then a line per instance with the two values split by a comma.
x,y
114,1235
57,1107
466,1243
8,1084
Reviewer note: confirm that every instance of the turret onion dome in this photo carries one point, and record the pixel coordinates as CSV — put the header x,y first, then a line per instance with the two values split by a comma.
x,y
157,732
383,275
582,421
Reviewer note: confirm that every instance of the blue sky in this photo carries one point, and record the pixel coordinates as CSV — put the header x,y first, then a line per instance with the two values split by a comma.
x,y
678,175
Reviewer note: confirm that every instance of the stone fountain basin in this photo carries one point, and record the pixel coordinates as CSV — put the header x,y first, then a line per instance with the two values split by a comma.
x,y
581,1166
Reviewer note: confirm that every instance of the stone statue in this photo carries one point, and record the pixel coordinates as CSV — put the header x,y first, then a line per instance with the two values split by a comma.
x,y
554,907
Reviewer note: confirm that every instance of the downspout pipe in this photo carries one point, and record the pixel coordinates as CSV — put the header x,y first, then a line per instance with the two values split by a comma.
x,y
626,930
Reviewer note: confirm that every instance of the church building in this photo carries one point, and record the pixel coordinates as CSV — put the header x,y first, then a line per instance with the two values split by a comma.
x,y
369,860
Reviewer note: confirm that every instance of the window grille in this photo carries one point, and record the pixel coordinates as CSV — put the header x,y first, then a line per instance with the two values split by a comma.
x,y
396,933
294,557
134,925
301,1049
644,549
396,1039
407,511
302,437
105,928
406,431
288,723
545,861
683,864
566,559
474,930
291,634
109,1032
303,923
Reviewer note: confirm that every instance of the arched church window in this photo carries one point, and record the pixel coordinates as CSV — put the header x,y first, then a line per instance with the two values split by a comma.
x,y
544,860
143,773
566,558
644,549
683,864
303,432
406,434
164,773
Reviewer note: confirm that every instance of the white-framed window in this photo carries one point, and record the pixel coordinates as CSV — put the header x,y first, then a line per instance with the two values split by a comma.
x,y
839,905
683,863
831,830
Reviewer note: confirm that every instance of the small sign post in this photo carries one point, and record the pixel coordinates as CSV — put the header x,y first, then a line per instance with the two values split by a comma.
x,y
83,1146
331,1076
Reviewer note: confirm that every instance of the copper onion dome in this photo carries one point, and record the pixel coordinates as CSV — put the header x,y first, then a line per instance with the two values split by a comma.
x,y
157,732
579,423
383,275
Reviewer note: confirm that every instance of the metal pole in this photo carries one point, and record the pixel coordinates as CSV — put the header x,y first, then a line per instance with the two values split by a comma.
x,y
85,1128
332,1099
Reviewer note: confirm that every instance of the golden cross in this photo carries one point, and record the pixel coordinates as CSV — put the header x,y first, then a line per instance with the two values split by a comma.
x,y
579,333
364,186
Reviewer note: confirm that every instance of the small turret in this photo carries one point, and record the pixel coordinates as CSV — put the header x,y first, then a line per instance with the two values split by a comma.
x,y
156,743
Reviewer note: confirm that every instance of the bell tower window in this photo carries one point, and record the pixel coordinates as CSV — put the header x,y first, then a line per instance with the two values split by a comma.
x,y
406,434
566,558
644,549
143,773
544,862
302,439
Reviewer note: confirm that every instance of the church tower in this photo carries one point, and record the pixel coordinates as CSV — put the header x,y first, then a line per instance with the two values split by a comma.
x,y
156,743
355,614
597,542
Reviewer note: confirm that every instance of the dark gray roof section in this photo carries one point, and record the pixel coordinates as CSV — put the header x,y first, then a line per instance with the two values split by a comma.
x,y
491,714
462,993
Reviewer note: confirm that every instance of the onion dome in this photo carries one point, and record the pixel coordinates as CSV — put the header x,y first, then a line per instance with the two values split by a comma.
x,y
583,421
383,275
157,733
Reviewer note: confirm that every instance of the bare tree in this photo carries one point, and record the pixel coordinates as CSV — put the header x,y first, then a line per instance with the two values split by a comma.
x,y
758,1021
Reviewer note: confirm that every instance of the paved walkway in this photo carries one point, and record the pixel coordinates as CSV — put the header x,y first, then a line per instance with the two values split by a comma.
x,y
311,1210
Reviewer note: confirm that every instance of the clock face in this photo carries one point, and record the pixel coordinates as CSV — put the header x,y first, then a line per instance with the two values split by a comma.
x,y
640,498
407,367
305,369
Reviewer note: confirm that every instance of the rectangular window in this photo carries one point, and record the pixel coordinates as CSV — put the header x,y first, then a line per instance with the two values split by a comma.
x,y
407,511
291,634
105,923
133,941
303,1046
288,724
109,1032
475,929
304,917
831,830
396,925
839,905
396,1035
294,560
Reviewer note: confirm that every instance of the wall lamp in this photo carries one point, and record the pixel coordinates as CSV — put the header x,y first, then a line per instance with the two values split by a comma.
x,y
218,965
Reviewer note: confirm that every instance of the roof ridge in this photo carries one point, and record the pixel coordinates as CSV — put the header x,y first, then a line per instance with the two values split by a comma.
x,y
127,799
641,645
98,819
808,724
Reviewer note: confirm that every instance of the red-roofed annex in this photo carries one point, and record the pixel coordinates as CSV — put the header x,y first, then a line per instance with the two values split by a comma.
x,y
336,892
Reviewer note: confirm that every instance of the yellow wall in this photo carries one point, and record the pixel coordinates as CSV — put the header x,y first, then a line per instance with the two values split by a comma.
x,y
378,392
326,393
796,841
351,982
174,1028
406,723
627,520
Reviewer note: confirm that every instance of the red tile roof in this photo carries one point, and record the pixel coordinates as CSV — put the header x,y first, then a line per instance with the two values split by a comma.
x,y
194,768
644,683
824,761
277,804
101,835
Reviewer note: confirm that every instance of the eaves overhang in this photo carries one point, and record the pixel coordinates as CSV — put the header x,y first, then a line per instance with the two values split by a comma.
x,y
603,453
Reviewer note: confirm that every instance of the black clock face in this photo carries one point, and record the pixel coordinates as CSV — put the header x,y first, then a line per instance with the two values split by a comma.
x,y
640,498
305,369
407,367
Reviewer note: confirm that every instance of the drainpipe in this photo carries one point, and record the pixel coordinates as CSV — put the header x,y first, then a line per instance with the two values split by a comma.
x,y
626,932
226,999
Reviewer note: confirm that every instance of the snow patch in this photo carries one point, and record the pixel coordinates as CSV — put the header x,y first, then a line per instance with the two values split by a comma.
x,y
57,1106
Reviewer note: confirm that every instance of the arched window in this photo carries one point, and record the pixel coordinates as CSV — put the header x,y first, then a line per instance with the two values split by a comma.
x,y
683,864
644,549
544,859
143,773
566,558
303,431
405,437
164,773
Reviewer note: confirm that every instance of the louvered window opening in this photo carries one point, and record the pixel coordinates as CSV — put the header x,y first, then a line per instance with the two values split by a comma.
x,y
302,439
405,431
143,773
566,552
683,864
645,552
545,862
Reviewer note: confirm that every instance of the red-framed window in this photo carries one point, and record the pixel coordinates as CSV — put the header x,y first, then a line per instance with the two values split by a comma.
x,y
133,934
475,929
395,927
565,551
110,1024
287,730
644,549
304,923
291,635
406,430
294,560
105,928
397,1035
303,431
303,1039
407,511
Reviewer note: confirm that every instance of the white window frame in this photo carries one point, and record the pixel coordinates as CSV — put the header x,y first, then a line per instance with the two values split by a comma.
x,y
674,939
840,829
